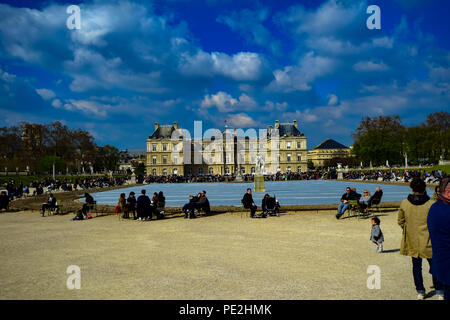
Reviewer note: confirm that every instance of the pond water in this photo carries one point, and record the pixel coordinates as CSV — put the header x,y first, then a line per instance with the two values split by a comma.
x,y
287,192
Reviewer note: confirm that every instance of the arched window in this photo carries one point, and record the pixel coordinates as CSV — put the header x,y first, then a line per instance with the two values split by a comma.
x,y
211,170
164,172
154,172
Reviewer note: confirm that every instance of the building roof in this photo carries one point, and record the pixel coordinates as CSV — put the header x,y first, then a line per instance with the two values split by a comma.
x,y
289,130
330,144
163,131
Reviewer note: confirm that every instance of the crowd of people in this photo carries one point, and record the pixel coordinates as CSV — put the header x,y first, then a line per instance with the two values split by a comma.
x,y
48,185
143,208
229,178
395,175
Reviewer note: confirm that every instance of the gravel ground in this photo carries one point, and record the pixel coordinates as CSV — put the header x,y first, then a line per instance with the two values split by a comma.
x,y
306,255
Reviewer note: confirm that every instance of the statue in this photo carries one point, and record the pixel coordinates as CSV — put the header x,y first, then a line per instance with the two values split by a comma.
x,y
259,164
259,174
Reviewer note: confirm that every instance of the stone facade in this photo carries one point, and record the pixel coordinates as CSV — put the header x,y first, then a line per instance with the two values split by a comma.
x,y
284,150
327,150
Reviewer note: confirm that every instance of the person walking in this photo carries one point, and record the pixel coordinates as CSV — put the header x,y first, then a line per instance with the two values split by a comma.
x,y
439,229
412,217
376,235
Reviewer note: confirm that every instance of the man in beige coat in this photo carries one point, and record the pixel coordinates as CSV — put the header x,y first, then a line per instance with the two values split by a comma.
x,y
416,243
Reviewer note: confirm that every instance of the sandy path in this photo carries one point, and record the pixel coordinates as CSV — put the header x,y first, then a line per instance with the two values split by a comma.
x,y
305,255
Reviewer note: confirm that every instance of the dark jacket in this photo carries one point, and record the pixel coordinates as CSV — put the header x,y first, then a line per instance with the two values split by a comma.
x,y
89,199
131,202
439,228
4,200
143,204
203,202
348,196
52,202
247,200
377,194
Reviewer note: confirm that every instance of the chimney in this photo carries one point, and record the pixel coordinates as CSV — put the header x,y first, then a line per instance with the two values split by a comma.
x,y
175,125
277,124
270,130
156,126
295,123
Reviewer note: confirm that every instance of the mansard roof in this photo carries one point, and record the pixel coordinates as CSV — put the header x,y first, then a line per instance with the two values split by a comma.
x,y
288,130
163,131
330,144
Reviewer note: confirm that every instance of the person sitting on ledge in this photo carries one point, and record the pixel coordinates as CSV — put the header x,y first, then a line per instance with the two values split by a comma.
x,y
89,201
203,203
348,195
51,203
248,202
4,201
189,207
264,201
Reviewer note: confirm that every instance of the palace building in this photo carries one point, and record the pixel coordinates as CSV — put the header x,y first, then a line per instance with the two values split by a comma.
x,y
327,150
282,147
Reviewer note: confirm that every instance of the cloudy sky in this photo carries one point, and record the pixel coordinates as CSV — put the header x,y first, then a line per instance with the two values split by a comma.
x,y
247,62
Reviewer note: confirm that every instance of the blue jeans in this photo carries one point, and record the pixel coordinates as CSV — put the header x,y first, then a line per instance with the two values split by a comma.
x,y
418,279
342,207
252,210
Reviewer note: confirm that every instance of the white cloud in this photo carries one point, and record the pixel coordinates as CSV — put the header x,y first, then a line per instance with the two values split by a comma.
x,y
7,77
224,102
241,120
298,78
369,66
57,103
87,107
46,94
332,99
242,66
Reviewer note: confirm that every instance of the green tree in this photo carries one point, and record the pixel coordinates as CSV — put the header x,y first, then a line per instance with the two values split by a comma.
x,y
46,164
107,158
379,139
439,135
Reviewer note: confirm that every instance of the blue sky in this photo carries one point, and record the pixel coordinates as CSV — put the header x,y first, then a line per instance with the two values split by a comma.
x,y
247,62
